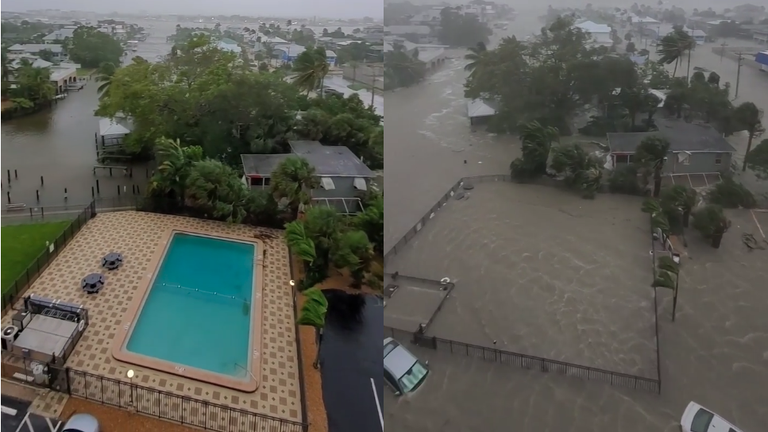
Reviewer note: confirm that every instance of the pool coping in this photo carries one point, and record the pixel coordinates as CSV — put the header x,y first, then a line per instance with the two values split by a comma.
x,y
248,385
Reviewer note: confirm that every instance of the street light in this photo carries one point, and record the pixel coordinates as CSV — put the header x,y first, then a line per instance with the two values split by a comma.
x,y
130,375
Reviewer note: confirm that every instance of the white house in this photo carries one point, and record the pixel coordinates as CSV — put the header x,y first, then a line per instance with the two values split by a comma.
x,y
21,50
60,35
601,33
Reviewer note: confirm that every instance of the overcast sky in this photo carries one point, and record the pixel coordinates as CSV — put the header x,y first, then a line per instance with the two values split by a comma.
x,y
282,8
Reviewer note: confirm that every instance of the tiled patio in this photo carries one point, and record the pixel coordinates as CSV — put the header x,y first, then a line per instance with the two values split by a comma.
x,y
137,235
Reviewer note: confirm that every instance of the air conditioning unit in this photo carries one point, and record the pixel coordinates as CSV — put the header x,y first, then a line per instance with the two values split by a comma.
x,y
10,333
22,319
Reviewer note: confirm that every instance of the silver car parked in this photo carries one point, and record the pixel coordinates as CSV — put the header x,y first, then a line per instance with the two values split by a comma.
x,y
403,372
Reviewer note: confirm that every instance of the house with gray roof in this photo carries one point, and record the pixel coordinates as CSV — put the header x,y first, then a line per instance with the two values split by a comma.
x,y
21,50
60,35
694,148
344,178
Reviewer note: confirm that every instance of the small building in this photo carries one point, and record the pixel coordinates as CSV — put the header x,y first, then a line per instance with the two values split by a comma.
x,y
20,50
344,178
112,132
229,45
760,35
58,36
480,111
63,78
601,33
694,148
289,52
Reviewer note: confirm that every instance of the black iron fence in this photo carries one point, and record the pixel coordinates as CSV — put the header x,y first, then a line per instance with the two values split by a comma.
x,y
411,233
173,407
526,361
12,293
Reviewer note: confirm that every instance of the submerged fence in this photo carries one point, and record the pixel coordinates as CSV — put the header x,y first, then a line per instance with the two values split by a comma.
x,y
173,407
12,293
511,358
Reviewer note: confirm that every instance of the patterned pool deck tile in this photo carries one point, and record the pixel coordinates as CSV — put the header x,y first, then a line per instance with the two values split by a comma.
x,y
137,235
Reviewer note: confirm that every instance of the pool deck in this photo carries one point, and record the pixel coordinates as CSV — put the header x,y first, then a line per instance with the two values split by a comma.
x,y
138,237
251,382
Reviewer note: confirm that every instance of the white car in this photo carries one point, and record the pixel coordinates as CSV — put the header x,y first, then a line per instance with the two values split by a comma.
x,y
696,418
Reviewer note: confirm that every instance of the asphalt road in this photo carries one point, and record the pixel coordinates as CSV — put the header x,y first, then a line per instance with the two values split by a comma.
x,y
17,418
352,363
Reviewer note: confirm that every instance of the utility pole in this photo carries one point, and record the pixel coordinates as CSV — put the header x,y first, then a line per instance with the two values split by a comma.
x,y
722,50
738,75
690,51
373,83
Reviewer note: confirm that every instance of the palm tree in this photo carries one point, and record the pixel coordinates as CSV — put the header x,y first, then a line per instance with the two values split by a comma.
x,y
667,275
680,198
633,100
269,51
312,314
215,189
477,57
659,220
712,223
293,180
748,116
174,164
300,243
651,154
354,65
537,141
104,76
312,67
673,46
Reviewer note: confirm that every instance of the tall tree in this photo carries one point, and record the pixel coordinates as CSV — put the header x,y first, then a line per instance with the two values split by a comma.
x,y
749,117
312,314
104,77
293,180
311,67
651,155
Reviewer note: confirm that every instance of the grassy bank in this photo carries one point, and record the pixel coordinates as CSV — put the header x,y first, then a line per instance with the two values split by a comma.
x,y
21,245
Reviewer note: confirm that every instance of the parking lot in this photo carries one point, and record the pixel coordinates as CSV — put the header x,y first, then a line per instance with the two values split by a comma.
x,y
540,271
17,418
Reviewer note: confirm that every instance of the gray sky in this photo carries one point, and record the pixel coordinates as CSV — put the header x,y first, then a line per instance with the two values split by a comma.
x,y
283,8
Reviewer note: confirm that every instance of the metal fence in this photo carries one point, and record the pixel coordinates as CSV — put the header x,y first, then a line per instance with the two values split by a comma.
x,y
12,293
173,407
411,233
526,361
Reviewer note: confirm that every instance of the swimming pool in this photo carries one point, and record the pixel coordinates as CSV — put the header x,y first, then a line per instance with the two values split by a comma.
x,y
197,316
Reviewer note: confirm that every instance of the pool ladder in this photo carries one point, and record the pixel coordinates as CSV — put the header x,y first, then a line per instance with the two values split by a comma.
x,y
204,292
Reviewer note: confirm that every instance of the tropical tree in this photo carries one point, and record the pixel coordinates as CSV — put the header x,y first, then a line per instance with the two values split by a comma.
x,y
659,219
292,180
216,190
300,243
104,75
312,314
174,163
354,65
578,168
353,251
681,200
650,156
749,117
537,141
312,67
712,223
371,221
673,46
667,275
477,56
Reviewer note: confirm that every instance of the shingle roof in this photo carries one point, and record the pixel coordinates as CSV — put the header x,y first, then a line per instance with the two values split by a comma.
x,y
682,136
332,161
33,48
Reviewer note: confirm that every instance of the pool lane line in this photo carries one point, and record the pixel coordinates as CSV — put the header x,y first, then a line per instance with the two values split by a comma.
x,y
378,405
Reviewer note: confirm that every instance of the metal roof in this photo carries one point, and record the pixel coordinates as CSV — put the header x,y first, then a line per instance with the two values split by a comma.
x,y
331,161
682,137
480,108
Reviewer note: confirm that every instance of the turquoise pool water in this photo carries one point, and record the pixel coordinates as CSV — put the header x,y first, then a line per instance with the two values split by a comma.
x,y
198,311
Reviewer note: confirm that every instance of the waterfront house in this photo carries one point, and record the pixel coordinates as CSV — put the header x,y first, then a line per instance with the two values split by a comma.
x,y
601,33
694,148
229,45
480,111
289,52
62,76
21,50
344,178
58,36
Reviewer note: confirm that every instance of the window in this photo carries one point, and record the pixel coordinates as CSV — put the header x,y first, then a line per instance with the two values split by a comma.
x,y
390,379
413,378
718,159
260,181
701,421
623,158
687,161
327,183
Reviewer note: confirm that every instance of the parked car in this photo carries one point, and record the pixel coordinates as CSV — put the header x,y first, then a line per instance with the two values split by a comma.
x,y
403,372
81,423
696,418
332,92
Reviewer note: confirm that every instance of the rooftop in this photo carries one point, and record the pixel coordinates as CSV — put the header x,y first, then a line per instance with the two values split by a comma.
x,y
592,27
329,161
407,29
60,34
58,73
480,108
682,137
33,48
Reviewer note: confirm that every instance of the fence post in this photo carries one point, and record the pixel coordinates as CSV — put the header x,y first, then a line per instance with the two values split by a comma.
x,y
66,379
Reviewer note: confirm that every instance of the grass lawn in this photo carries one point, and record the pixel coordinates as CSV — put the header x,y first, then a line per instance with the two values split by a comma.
x,y
357,87
83,72
21,244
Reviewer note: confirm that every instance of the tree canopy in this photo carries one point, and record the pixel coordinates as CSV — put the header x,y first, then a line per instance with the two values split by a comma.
x,y
90,48
457,29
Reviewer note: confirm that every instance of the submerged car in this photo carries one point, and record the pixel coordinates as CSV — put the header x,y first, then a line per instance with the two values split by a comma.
x,y
403,372
696,418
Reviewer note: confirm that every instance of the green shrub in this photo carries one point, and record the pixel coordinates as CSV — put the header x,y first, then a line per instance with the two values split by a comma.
x,y
710,221
731,194
757,158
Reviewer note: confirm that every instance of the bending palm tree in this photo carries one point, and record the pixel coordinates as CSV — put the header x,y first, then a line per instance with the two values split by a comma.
x,y
477,56
174,163
673,46
312,67
312,314
104,76
293,180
